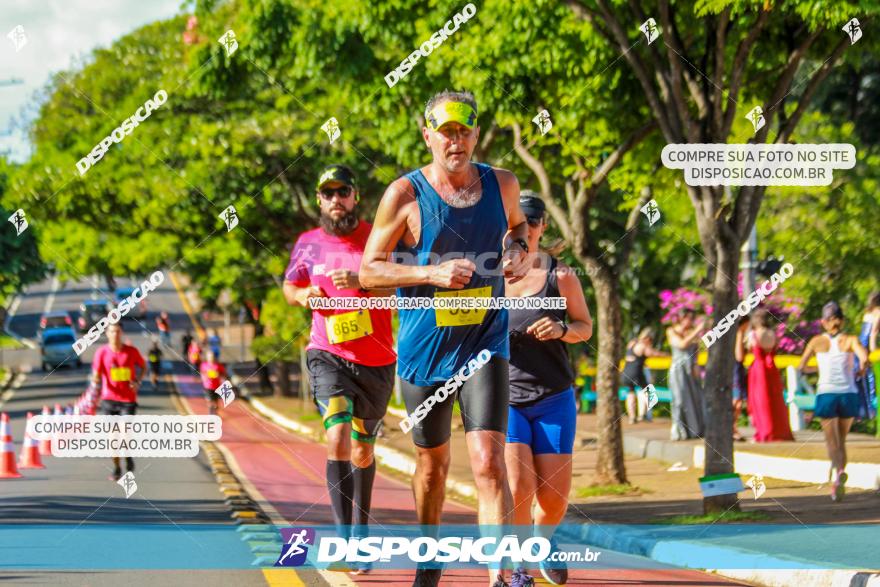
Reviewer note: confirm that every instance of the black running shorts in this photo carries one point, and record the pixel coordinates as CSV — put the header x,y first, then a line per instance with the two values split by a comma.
x,y
114,408
350,392
483,400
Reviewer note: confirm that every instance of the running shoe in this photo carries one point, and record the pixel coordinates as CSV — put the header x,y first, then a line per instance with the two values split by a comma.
x,y
116,476
521,579
555,575
427,577
839,487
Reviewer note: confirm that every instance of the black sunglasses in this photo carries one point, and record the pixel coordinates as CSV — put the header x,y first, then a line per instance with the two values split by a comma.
x,y
534,222
328,193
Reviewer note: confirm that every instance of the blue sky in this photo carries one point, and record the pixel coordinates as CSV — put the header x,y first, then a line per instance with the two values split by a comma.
x,y
58,31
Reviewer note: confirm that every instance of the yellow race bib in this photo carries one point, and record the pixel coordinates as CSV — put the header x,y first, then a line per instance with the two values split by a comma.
x,y
348,326
462,317
212,374
118,374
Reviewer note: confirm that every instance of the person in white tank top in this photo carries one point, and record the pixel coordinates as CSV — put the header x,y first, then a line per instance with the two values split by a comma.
x,y
837,400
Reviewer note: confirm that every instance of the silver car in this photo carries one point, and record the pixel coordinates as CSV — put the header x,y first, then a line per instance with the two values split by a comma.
x,y
56,348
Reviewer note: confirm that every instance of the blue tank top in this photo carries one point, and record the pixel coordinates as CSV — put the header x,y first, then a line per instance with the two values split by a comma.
x,y
428,353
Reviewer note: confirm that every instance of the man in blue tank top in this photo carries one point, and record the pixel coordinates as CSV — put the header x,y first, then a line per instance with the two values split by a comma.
x,y
459,229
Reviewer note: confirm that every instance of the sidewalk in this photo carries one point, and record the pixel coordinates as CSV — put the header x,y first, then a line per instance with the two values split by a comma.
x,y
617,522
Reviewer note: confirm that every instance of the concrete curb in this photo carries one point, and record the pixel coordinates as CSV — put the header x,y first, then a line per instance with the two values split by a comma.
x,y
683,553
861,475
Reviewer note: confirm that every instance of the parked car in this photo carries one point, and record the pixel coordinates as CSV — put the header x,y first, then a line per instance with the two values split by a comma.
x,y
90,311
139,311
58,318
56,348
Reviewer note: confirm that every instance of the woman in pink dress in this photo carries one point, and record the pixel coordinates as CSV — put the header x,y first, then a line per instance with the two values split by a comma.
x,y
766,403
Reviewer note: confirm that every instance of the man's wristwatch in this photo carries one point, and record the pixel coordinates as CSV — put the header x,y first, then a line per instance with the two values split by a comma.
x,y
522,243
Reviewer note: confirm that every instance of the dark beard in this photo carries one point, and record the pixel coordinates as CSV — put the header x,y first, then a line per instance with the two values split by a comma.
x,y
345,225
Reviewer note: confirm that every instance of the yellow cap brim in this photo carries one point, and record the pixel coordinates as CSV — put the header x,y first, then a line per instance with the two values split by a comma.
x,y
451,112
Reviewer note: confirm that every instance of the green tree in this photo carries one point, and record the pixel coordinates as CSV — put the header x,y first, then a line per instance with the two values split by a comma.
x,y
696,87
20,262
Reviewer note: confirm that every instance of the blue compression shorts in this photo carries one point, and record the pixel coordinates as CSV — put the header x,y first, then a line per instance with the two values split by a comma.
x,y
547,426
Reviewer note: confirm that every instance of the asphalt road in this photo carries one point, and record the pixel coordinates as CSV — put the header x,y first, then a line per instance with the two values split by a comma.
x,y
178,494
57,519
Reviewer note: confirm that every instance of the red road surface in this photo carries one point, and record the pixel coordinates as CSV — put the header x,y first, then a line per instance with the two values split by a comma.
x,y
289,473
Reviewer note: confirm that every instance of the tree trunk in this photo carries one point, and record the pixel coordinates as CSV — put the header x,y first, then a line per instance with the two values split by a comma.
x,y
719,377
610,468
282,385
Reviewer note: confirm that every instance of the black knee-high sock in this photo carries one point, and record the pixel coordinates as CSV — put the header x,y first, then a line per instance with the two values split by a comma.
x,y
363,492
340,484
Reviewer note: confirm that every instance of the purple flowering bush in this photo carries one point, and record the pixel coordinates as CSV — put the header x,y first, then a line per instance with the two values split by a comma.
x,y
792,331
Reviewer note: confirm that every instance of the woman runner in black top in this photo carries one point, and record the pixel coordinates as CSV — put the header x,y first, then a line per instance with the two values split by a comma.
x,y
542,414
633,376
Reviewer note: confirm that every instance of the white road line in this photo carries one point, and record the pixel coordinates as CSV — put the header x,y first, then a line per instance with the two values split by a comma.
x,y
50,299
10,314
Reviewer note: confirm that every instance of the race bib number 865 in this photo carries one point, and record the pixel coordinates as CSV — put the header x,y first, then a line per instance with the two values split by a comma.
x,y
348,326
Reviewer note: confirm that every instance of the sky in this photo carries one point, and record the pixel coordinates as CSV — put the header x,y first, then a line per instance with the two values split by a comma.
x,y
56,32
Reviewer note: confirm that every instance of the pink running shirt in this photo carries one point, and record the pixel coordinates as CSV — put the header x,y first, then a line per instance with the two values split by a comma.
x,y
317,253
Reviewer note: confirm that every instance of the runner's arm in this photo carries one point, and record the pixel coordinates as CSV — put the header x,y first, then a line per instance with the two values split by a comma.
x,y
389,226
299,296
515,261
808,353
682,342
141,365
650,351
97,367
580,329
862,354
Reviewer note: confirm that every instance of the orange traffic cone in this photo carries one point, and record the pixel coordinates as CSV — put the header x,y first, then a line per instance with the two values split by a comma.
x,y
7,451
30,452
46,445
